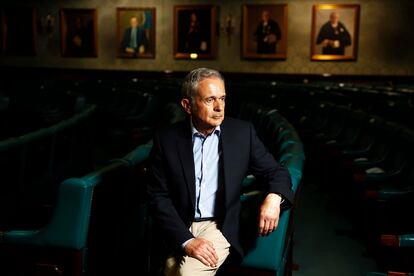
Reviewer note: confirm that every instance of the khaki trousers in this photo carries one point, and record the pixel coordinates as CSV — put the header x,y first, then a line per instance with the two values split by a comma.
x,y
188,266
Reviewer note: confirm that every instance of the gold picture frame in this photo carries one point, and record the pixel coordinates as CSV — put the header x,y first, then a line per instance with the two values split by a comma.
x,y
264,31
141,19
79,32
195,34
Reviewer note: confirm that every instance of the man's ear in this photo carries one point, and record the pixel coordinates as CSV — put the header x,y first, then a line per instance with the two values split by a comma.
x,y
186,104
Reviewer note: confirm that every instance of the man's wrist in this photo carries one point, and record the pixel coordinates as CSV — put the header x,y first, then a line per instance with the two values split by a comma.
x,y
186,242
277,196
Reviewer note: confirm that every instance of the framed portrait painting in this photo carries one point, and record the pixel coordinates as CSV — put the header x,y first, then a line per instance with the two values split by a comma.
x,y
78,32
135,32
335,32
195,31
264,31
18,31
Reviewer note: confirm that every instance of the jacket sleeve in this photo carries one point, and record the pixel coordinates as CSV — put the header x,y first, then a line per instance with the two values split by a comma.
x,y
345,37
162,208
277,30
322,35
125,40
262,165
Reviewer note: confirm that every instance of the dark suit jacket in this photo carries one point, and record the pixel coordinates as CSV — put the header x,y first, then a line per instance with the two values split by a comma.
x,y
339,33
172,190
140,37
261,32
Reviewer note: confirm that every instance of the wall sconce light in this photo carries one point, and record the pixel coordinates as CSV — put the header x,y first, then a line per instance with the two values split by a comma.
x,y
46,25
228,27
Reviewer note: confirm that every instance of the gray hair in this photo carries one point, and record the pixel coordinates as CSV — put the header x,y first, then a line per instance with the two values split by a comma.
x,y
191,81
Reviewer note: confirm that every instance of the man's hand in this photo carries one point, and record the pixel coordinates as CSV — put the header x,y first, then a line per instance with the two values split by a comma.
x,y
269,214
129,50
327,42
203,250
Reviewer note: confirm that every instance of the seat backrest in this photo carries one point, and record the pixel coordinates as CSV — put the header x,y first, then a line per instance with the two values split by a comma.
x,y
138,155
69,223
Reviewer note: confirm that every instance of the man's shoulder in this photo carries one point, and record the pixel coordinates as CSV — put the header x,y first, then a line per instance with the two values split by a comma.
x,y
327,24
174,128
341,25
233,123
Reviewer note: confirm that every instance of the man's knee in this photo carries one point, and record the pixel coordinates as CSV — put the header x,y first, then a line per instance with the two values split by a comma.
x,y
191,266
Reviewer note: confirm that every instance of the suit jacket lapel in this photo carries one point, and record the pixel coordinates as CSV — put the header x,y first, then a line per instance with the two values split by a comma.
x,y
185,151
228,151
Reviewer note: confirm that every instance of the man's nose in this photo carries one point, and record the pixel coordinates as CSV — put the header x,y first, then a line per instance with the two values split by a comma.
x,y
218,105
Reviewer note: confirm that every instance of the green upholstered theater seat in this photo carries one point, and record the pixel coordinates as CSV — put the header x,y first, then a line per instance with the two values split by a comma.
x,y
400,189
392,166
270,254
290,147
69,223
139,154
67,230
295,165
65,235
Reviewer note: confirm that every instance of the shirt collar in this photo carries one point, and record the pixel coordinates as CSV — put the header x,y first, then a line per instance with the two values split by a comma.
x,y
194,131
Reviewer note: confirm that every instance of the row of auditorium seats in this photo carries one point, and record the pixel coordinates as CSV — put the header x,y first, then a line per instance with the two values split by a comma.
x,y
101,223
26,107
125,117
366,164
391,103
126,111
34,164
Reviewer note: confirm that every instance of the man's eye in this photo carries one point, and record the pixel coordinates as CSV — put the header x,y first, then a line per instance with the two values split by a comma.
x,y
209,100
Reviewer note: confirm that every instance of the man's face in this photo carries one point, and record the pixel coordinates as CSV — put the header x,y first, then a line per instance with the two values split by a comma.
x,y
334,18
265,16
207,107
134,22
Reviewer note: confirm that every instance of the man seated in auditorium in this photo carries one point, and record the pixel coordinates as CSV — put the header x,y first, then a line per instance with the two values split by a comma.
x,y
197,168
